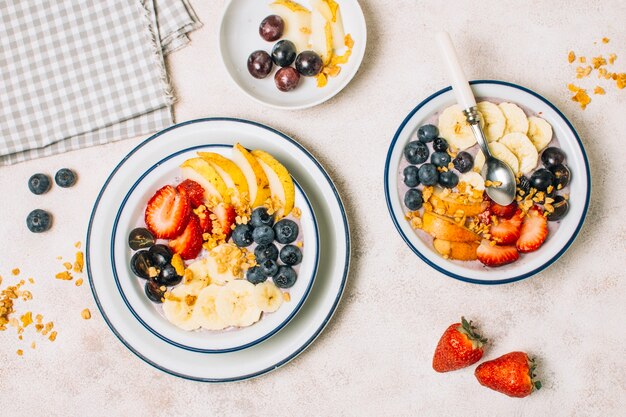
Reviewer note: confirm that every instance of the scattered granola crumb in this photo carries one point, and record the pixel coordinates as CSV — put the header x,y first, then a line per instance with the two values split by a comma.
x,y
78,282
286,296
20,352
67,265
598,61
86,314
571,57
26,319
599,90
605,40
59,258
582,60
31,280
80,262
65,275
15,271
52,337
612,58
299,244
77,245
33,345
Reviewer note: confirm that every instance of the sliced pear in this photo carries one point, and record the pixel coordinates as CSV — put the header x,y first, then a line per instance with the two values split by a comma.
x,y
331,12
202,172
297,20
258,184
281,184
230,172
321,36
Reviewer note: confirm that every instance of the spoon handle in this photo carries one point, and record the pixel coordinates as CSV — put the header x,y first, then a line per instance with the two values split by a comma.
x,y
460,86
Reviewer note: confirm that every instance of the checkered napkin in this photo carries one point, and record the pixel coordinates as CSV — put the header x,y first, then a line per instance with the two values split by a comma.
x,y
77,73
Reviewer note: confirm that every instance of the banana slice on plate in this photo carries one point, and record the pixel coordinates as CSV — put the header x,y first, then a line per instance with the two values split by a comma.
x,y
495,122
539,132
179,305
501,152
454,128
223,264
236,304
200,272
268,296
523,149
516,120
473,179
205,311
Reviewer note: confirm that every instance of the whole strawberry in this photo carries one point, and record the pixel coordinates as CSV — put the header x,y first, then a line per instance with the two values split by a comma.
x,y
511,374
459,346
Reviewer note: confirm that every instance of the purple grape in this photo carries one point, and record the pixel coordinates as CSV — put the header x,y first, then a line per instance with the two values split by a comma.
x,y
271,28
259,64
309,63
286,79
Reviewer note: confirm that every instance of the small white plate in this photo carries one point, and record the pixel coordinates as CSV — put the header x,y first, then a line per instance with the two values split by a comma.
x,y
239,37
315,313
556,244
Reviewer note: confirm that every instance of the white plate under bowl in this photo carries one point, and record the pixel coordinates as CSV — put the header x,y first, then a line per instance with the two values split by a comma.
x,y
239,37
315,313
130,215
556,244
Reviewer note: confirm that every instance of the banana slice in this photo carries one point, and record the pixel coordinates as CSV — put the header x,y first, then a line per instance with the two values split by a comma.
x,y
268,297
516,120
473,179
454,128
236,304
179,304
539,132
200,272
523,149
223,264
501,152
495,122
205,311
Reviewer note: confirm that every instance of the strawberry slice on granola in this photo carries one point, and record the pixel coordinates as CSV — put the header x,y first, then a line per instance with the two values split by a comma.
x,y
167,213
189,243
194,191
506,232
534,231
226,215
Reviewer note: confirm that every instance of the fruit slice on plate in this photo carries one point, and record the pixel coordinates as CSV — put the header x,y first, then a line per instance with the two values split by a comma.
x,y
501,152
221,262
226,215
258,184
534,231
516,120
329,9
506,232
236,304
454,128
230,172
451,206
281,184
202,172
268,297
496,255
205,310
200,272
495,122
297,20
444,228
523,149
473,179
539,132
167,213
178,305
189,244
321,36
461,251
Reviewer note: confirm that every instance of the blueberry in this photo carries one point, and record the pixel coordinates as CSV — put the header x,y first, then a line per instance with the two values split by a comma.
x,y
255,275
440,145
286,277
427,133
561,174
39,183
39,221
552,156
428,174
168,276
448,179
154,291
263,235
561,207
463,162
416,152
65,178
413,199
290,255
242,235
286,231
269,267
161,255
260,217
140,238
411,176
524,184
541,179
263,252
440,159
140,264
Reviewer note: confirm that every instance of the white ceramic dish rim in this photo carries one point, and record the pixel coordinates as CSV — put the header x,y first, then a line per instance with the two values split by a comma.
x,y
354,63
513,272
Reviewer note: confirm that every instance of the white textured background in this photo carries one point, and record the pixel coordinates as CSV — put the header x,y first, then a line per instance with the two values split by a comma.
x,y
375,356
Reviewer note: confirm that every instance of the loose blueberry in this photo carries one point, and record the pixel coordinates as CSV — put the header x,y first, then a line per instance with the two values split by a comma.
x,y
561,207
440,159
269,267
561,174
286,277
260,217
242,235
65,178
168,276
290,255
552,156
428,174
154,291
440,145
448,179
541,179
413,199
140,238
416,152
161,255
38,221
286,231
39,183
411,178
140,264
263,235
255,275
524,184
463,162
427,133
263,252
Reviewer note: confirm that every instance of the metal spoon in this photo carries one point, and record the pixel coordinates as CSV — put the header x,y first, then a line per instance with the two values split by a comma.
x,y
501,187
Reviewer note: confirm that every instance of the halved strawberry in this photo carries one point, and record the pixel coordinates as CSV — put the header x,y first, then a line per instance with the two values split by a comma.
x,y
194,191
496,255
226,217
485,217
534,231
206,225
506,232
167,213
503,211
189,243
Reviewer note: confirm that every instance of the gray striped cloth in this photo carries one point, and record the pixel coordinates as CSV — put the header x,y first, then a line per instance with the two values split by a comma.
x,y
78,73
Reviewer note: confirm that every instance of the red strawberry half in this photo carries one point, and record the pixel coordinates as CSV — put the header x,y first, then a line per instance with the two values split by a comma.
x,y
189,244
459,346
194,191
503,211
226,217
534,231
496,255
506,232
206,225
167,213
512,374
